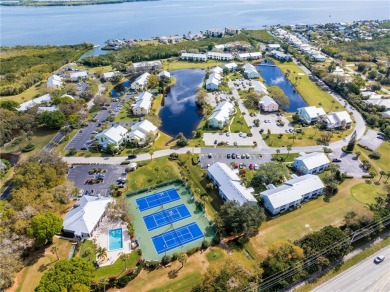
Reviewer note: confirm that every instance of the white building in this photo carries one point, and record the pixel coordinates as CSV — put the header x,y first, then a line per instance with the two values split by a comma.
x,y
280,56
268,104
337,120
215,32
217,70
42,109
142,104
194,57
229,184
139,131
231,66
292,193
219,56
141,82
310,114
273,47
78,75
259,87
108,75
213,82
114,135
221,115
317,56
165,75
54,81
250,71
147,66
232,30
84,217
249,56
36,101
311,163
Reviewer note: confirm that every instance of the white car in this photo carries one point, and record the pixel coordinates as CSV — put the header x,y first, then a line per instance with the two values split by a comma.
x,y
379,259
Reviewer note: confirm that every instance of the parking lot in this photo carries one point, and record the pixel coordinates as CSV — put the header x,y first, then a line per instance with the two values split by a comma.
x,y
234,139
371,140
213,98
205,159
79,141
269,121
78,174
348,164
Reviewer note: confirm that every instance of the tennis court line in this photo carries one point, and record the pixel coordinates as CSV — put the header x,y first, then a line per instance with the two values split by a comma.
x,y
153,221
157,199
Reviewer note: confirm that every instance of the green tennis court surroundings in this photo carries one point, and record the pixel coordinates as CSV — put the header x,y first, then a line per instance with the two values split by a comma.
x,y
168,220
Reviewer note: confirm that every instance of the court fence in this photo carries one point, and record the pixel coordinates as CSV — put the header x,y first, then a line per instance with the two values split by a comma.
x,y
172,182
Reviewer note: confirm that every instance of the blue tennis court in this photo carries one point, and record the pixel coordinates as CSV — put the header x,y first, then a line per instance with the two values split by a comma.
x,y
176,237
157,199
166,217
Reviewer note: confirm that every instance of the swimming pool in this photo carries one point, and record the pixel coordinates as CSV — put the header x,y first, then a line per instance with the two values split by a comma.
x,y
115,239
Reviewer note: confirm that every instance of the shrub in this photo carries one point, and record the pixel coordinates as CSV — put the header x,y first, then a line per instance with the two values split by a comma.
x,y
174,257
165,260
29,147
72,151
125,162
205,244
192,251
374,155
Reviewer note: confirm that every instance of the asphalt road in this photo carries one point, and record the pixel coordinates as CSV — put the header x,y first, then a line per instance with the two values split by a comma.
x,y
365,276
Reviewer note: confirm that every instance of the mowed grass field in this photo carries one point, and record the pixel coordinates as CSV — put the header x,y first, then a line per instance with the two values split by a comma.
x,y
178,65
312,216
310,92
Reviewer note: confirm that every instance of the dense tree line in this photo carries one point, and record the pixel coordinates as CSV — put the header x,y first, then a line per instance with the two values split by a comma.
x,y
23,66
140,53
29,219
363,50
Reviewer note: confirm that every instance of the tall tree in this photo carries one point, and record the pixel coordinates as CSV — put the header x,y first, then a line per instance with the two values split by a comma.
x,y
44,226
270,173
182,258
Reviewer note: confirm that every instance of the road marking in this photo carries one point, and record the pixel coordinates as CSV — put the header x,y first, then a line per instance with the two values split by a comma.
x,y
357,278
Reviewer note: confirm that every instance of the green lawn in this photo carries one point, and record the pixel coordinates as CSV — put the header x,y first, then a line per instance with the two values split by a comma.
x,y
238,123
365,193
87,245
310,92
178,65
312,215
185,283
286,157
384,161
214,255
156,171
34,91
308,139
118,267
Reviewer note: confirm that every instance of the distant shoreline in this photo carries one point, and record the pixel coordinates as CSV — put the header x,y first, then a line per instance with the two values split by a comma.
x,y
65,3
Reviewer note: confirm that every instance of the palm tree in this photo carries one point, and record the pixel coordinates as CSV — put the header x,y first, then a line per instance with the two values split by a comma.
x,y
151,152
182,258
277,152
88,253
387,176
357,153
124,257
104,282
333,102
293,138
54,249
288,150
381,174
101,252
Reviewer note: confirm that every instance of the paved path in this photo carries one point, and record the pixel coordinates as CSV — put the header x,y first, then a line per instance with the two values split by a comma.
x,y
365,276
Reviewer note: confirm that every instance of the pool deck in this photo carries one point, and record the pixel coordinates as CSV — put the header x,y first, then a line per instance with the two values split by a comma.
x,y
101,236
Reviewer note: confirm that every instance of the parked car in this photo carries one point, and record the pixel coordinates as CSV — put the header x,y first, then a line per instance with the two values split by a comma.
x,y
131,156
228,156
227,134
84,147
247,156
233,156
256,167
336,160
251,166
94,132
215,142
242,156
235,143
210,155
379,259
236,165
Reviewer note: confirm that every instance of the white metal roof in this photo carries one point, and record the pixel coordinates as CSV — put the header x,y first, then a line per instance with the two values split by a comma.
x,y
142,79
266,101
28,104
249,68
313,112
229,183
114,133
144,100
78,74
293,190
145,126
222,111
260,87
313,160
86,214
